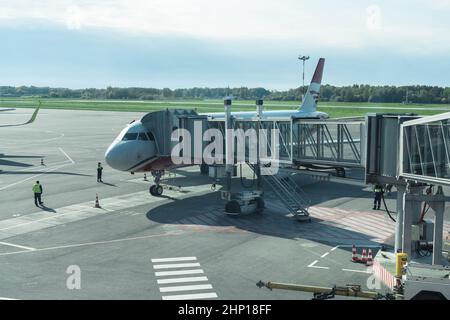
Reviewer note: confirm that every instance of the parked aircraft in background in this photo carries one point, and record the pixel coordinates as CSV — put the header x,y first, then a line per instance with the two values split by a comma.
x,y
31,120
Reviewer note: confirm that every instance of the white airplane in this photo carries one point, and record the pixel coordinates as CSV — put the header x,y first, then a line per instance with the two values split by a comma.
x,y
134,149
308,109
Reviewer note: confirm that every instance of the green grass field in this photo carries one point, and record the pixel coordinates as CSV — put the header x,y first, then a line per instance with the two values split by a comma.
x,y
334,109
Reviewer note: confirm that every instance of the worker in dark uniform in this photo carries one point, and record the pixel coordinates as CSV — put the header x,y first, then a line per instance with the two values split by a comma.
x,y
378,190
389,188
37,190
99,172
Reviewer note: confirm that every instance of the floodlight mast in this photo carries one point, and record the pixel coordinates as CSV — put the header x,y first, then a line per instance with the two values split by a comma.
x,y
303,58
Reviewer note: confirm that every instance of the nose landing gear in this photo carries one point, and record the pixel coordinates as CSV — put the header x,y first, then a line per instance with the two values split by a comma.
x,y
156,189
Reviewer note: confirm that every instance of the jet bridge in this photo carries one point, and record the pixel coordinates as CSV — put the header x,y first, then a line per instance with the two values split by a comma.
x,y
412,153
425,150
332,143
336,143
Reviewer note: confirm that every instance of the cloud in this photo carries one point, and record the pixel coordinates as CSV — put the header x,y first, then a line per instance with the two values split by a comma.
x,y
329,24
437,4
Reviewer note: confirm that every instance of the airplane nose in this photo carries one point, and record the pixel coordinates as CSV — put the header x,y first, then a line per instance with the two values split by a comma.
x,y
115,158
126,155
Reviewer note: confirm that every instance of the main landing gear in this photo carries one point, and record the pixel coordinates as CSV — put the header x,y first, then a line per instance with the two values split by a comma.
x,y
156,189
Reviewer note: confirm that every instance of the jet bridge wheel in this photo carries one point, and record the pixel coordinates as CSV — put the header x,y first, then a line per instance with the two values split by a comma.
x,y
233,207
259,204
156,190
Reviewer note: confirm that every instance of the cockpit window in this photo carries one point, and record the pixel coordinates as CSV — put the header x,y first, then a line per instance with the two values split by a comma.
x,y
130,136
150,136
142,136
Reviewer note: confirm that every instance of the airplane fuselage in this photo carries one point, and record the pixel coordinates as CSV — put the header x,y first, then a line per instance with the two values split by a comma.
x,y
272,115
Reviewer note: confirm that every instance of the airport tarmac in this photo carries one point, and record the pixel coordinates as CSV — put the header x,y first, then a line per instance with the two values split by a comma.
x,y
179,246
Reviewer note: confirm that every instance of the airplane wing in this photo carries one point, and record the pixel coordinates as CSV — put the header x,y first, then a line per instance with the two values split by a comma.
x,y
33,117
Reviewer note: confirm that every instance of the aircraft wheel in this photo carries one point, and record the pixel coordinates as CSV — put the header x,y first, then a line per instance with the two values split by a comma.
x,y
340,172
158,190
259,204
152,190
233,207
204,169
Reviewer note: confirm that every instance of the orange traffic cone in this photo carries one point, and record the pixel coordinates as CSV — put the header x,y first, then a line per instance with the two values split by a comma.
x,y
355,257
369,258
364,256
97,204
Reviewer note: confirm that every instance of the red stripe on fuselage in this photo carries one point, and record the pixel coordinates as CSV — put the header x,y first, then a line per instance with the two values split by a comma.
x,y
161,163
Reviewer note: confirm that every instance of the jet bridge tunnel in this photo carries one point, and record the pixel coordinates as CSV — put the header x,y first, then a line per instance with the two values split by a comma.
x,y
412,153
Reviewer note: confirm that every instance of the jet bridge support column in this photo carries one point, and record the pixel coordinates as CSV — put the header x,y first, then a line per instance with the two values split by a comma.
x,y
412,201
438,206
229,154
259,111
400,216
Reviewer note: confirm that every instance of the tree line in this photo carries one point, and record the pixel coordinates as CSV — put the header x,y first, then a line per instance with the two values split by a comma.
x,y
354,93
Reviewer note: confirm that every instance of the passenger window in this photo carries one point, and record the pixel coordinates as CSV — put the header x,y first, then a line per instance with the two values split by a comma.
x,y
130,136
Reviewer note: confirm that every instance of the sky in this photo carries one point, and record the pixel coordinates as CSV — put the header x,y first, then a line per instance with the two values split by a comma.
x,y
217,43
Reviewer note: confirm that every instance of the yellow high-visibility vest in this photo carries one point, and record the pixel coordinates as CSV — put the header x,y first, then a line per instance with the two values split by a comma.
x,y
37,188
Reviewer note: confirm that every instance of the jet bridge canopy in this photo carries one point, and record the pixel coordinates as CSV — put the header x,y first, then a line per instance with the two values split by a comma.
x,y
162,123
329,142
425,149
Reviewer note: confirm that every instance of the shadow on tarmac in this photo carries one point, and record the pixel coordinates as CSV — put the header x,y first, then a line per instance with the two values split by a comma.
x,y
207,211
109,184
45,208
194,212
11,163
49,173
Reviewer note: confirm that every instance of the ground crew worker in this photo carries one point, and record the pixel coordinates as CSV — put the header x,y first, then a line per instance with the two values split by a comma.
x,y
99,172
378,189
389,188
37,189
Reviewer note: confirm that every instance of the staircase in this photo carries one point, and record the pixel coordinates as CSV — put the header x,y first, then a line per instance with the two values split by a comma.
x,y
290,194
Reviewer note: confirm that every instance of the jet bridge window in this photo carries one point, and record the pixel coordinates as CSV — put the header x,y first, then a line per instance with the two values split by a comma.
x,y
130,136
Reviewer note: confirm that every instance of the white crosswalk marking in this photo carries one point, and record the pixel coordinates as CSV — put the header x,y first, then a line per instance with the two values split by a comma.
x,y
174,259
329,223
178,265
178,269
369,228
356,224
178,280
76,212
191,296
177,273
186,288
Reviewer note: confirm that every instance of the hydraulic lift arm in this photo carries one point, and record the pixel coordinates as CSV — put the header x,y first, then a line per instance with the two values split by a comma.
x,y
322,293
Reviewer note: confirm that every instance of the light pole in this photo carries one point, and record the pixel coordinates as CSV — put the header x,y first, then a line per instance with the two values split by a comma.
x,y
303,58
